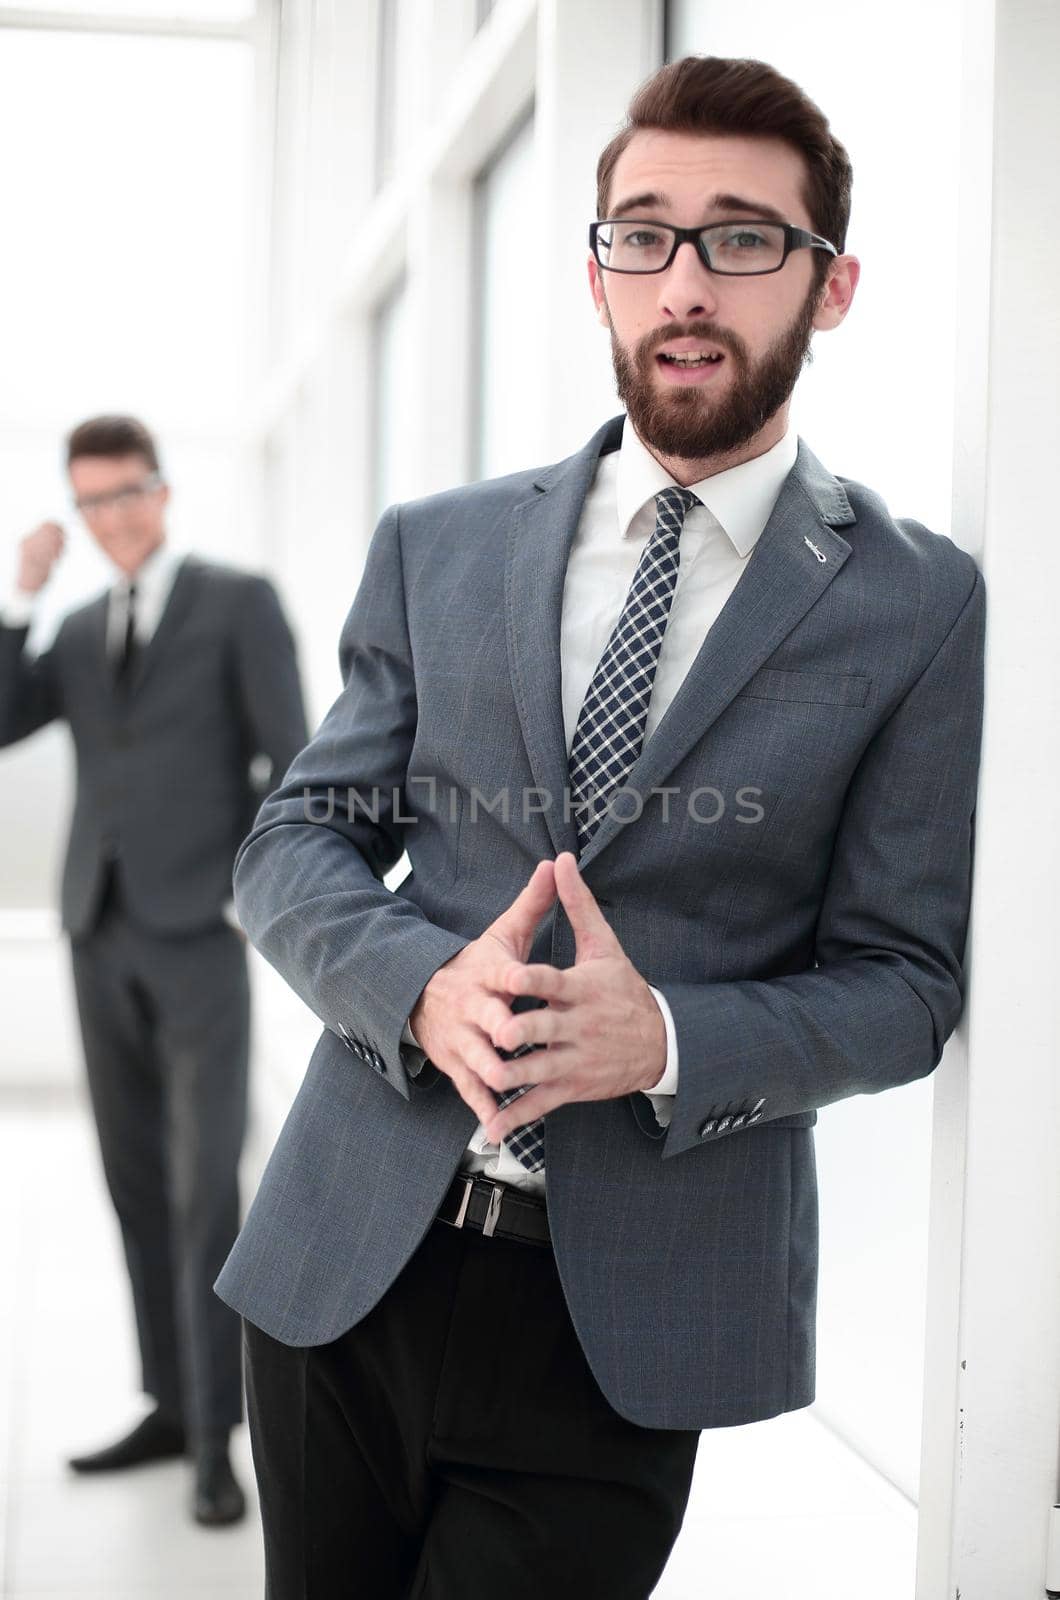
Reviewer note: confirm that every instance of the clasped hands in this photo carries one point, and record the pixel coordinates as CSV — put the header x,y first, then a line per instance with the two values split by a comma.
x,y
602,1027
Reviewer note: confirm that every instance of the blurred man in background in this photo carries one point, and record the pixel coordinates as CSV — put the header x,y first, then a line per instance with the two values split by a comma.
x,y
175,683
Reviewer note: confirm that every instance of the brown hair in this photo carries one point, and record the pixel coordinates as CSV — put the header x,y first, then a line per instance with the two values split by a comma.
x,y
711,94
112,436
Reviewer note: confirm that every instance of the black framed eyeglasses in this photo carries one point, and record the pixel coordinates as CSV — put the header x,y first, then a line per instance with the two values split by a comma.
x,y
129,494
735,249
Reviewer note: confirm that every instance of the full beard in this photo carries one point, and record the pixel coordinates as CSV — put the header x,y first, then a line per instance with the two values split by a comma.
x,y
690,423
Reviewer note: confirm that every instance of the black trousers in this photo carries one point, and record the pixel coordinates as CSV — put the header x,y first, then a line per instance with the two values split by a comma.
x,y
455,1445
165,1028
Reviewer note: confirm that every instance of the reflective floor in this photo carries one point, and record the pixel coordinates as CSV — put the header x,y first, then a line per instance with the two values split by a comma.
x,y
779,1508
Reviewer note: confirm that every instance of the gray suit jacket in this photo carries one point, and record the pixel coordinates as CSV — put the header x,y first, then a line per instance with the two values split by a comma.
x,y
164,764
809,955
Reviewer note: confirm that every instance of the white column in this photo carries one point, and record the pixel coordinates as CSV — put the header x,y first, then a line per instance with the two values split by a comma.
x,y
992,1402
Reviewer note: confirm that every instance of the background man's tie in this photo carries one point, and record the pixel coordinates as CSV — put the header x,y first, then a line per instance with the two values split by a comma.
x,y
610,729
128,649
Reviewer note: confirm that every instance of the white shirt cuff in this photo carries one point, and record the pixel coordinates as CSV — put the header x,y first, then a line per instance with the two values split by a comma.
x,y
661,1094
412,1066
16,608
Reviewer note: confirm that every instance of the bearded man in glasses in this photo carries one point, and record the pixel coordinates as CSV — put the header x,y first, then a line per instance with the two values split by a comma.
x,y
173,682
545,1206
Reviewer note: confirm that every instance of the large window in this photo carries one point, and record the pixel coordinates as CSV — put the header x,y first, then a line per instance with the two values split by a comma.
x,y
123,290
394,18
124,280
507,390
394,372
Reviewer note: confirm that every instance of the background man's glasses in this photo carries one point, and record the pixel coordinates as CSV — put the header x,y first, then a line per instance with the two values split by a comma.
x,y
130,494
735,249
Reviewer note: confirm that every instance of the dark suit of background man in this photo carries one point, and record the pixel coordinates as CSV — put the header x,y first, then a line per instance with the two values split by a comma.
x,y
483,1337
172,683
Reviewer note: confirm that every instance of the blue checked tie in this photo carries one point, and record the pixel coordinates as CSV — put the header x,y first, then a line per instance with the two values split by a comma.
x,y
610,730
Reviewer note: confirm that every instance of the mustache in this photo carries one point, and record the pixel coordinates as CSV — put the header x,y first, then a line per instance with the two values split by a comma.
x,y
708,332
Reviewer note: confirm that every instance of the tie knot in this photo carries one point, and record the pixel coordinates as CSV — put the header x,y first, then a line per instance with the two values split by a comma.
x,y
673,505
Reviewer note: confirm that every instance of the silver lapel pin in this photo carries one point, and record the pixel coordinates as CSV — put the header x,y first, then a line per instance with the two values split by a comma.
x,y
818,553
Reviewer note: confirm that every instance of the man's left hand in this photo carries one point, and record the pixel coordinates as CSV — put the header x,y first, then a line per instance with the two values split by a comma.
x,y
603,1028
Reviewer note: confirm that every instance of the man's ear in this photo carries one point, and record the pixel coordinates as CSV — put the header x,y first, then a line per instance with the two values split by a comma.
x,y
596,286
837,292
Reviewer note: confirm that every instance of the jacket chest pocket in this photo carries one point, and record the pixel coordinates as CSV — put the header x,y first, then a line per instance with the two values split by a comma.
x,y
808,688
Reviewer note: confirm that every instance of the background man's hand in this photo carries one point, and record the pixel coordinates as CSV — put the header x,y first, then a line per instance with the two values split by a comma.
x,y
458,1016
603,1028
37,554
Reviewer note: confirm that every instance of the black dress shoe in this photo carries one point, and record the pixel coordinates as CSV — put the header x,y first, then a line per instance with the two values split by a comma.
x,y
156,1438
218,1498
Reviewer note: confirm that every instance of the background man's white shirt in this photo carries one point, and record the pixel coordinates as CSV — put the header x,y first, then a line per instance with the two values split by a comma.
x,y
154,581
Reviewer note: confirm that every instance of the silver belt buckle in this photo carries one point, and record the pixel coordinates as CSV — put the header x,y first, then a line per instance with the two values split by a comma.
x,y
458,1221
493,1210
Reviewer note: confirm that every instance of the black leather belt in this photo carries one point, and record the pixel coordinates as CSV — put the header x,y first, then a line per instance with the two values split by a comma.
x,y
495,1209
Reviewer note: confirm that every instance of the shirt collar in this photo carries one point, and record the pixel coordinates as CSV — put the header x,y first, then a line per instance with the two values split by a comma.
x,y
153,573
740,499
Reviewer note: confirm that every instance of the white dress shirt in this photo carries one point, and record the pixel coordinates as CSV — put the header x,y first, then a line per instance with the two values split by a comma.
x,y
154,581
617,520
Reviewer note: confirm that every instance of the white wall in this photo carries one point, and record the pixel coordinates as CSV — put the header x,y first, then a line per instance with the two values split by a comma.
x,y
992,1412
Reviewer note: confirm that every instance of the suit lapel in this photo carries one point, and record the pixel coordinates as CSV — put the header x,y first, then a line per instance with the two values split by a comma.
x,y
785,575
783,578
539,540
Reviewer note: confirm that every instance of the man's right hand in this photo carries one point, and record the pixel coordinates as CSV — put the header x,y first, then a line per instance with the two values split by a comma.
x,y
37,554
464,1003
